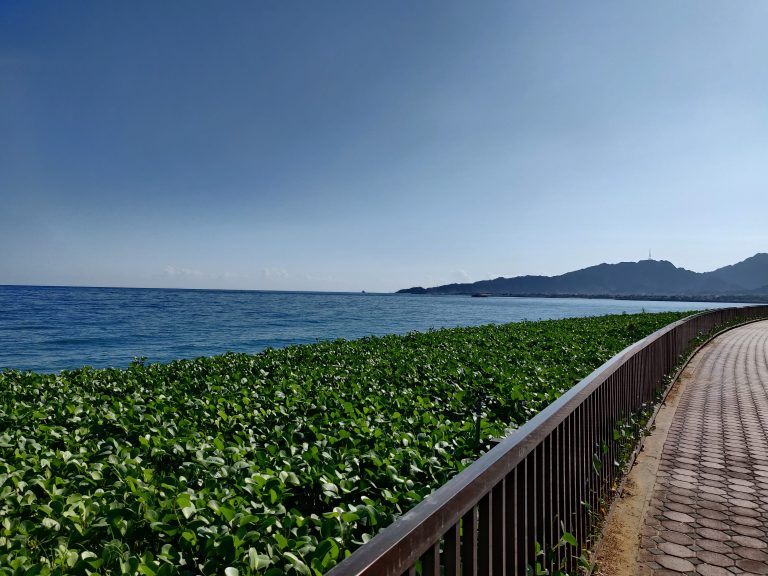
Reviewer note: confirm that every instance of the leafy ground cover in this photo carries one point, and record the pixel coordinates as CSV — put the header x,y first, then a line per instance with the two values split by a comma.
x,y
278,463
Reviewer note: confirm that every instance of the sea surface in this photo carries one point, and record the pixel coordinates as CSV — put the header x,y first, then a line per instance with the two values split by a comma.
x,y
49,329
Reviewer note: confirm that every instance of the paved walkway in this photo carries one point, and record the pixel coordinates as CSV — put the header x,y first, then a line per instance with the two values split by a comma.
x,y
708,513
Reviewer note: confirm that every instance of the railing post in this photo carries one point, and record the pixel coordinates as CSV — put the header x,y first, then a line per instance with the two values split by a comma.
x,y
498,529
452,550
521,518
485,535
469,543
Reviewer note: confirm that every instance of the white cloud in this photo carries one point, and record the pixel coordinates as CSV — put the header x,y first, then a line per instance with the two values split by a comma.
x,y
174,272
461,276
177,272
275,274
231,276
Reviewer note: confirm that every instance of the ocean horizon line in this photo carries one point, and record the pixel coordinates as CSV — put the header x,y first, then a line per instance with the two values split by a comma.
x,y
171,288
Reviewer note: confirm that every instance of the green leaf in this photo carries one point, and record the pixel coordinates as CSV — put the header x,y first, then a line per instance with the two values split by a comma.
x,y
227,513
257,561
296,563
51,523
183,500
71,558
282,541
569,538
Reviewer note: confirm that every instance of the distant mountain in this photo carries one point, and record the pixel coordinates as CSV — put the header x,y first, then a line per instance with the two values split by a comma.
x,y
751,274
646,278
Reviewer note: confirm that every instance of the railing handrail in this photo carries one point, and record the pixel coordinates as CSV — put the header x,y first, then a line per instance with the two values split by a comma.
x,y
400,545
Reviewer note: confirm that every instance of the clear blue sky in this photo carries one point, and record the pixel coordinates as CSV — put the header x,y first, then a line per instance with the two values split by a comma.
x,y
372,146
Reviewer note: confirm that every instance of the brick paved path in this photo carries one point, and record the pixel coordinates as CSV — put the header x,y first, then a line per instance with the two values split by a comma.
x,y
709,511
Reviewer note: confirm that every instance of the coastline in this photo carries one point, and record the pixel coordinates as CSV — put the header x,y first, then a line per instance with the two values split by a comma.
x,y
715,298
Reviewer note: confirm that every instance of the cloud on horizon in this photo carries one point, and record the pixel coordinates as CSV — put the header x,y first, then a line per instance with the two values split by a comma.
x,y
462,276
174,272
271,274
191,273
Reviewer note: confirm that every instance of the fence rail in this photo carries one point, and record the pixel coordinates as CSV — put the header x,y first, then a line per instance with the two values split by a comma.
x,y
546,479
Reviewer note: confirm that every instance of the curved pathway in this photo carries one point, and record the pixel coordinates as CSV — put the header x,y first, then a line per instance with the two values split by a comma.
x,y
708,511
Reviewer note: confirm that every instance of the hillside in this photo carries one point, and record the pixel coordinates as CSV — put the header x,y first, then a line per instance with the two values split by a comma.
x,y
750,274
652,278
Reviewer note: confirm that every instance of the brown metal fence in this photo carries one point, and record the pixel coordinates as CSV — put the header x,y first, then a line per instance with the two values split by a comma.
x,y
548,478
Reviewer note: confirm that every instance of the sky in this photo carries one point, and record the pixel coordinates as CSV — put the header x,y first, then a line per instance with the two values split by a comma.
x,y
359,145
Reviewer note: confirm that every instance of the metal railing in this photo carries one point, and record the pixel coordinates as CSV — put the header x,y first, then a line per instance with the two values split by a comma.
x,y
501,514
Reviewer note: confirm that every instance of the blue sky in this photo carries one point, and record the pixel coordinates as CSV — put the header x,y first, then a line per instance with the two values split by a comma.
x,y
376,145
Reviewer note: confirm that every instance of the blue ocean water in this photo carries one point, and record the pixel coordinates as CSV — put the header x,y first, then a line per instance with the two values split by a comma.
x,y
55,328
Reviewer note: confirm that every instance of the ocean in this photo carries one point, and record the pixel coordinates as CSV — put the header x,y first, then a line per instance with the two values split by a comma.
x,y
48,329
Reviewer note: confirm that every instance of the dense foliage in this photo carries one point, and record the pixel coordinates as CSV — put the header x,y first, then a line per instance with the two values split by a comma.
x,y
276,463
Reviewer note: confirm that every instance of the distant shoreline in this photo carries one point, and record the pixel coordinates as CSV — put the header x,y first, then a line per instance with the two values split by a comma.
x,y
660,280
718,298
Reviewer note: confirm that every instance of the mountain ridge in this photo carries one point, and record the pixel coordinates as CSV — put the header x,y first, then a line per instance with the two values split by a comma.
x,y
645,278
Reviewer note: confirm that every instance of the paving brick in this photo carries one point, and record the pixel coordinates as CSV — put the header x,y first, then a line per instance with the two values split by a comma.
x,y
753,566
712,534
714,524
711,498
677,526
676,550
749,542
744,502
713,514
682,484
709,489
676,538
740,481
678,516
746,520
751,553
674,563
677,498
710,476
713,546
709,570
677,507
748,531
712,505
714,558
739,511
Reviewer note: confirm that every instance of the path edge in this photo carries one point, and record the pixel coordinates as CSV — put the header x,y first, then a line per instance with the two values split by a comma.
x,y
675,384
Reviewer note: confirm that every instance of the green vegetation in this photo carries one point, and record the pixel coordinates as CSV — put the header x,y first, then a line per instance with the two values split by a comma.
x,y
277,463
